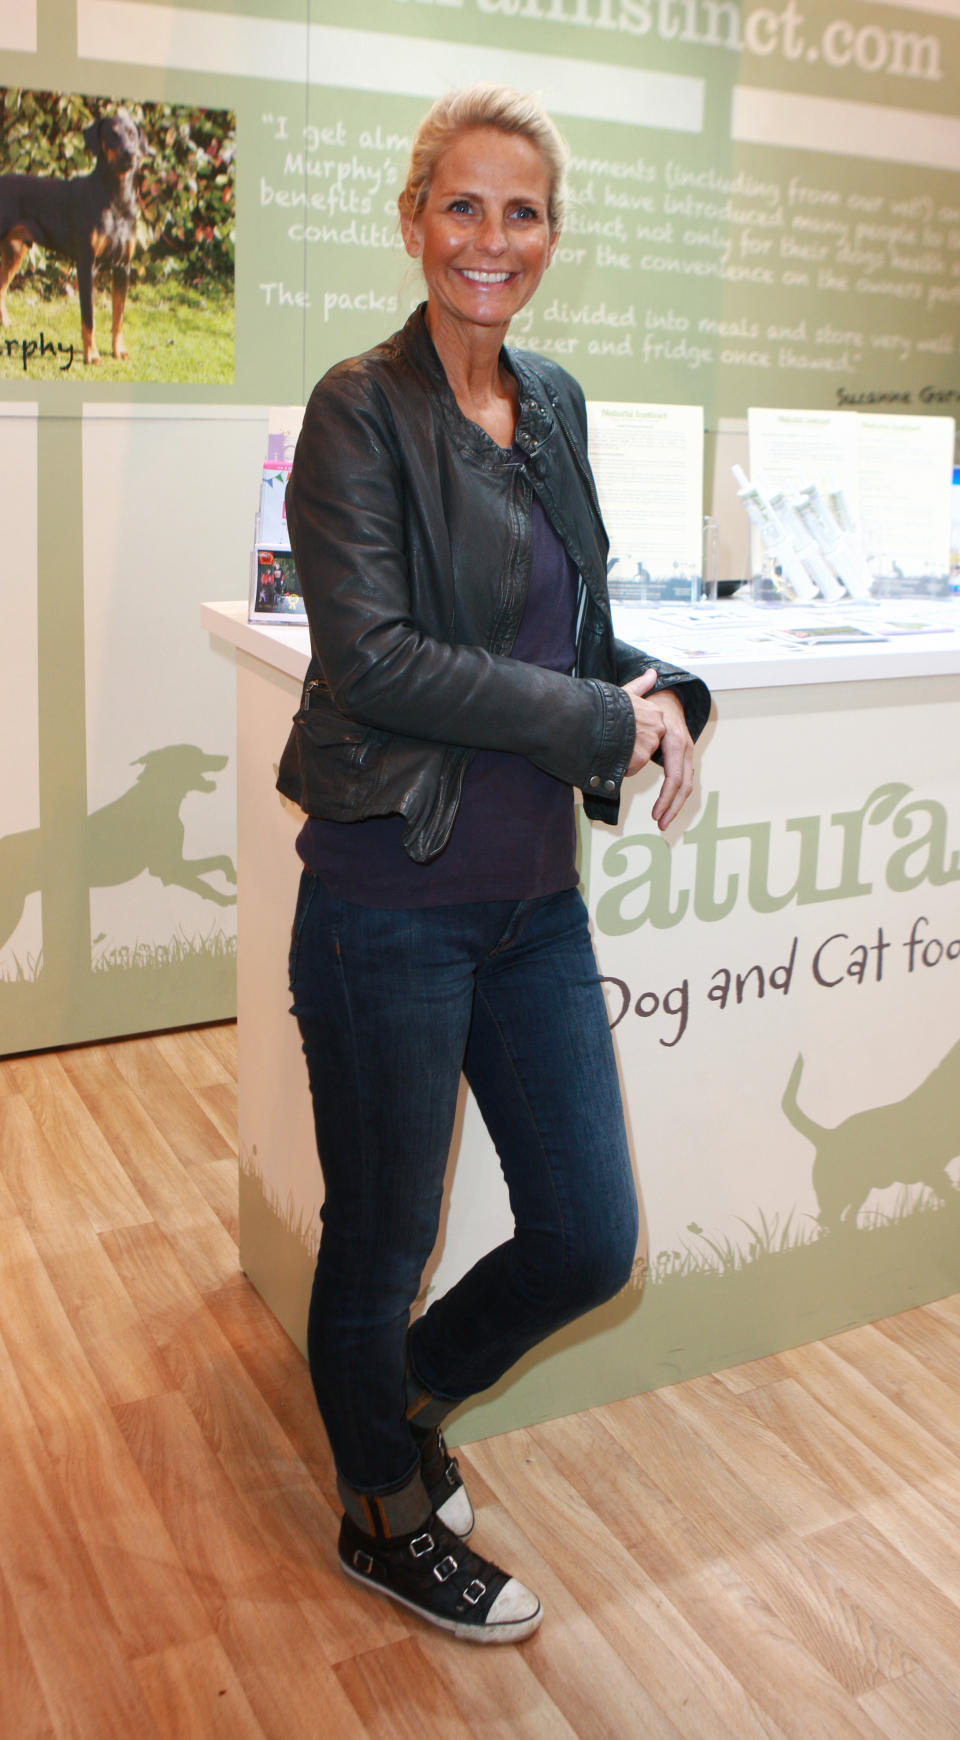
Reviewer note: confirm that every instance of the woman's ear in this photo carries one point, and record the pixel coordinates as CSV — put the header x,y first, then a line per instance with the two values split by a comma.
x,y
409,230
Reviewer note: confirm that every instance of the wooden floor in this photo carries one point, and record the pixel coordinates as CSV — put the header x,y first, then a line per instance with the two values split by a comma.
x,y
774,1551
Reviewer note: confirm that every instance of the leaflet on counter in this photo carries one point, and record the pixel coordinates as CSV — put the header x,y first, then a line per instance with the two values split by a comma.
x,y
648,465
881,484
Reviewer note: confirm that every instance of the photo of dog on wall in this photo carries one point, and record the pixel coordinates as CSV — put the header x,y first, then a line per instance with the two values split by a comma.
x,y
116,239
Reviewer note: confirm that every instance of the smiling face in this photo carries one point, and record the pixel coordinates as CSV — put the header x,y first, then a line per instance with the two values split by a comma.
x,y
483,234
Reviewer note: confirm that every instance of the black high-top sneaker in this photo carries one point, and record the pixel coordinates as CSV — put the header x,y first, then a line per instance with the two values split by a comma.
x,y
435,1575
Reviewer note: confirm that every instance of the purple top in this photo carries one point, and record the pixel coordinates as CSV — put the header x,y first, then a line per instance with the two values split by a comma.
x,y
514,836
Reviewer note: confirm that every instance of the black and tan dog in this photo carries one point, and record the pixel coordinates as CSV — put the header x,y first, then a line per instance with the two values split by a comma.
x,y
90,218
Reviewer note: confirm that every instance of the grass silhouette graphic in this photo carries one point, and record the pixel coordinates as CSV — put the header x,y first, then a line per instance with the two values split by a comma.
x,y
132,988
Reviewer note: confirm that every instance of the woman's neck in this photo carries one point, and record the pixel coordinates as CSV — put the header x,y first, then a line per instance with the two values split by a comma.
x,y
485,391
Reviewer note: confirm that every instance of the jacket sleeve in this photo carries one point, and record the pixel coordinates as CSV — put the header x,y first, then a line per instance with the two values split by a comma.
x,y
349,499
691,692
630,661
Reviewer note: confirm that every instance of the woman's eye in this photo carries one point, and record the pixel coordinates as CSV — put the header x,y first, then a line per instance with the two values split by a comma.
x,y
528,213
459,205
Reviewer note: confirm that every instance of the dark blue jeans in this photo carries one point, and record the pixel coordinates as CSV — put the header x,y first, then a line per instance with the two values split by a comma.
x,y
392,1005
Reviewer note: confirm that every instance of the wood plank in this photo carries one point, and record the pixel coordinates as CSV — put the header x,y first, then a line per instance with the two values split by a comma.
x,y
905,1379
8,1204
898,1443
41,1189
169,1102
932,1335
8,1081
25,1713
498,1694
221,1038
60,1608
102,1317
876,1573
781,1569
219,1102
598,1604
159,1176
914,1708
723,1618
89,1164
751,1451
193,1693
749,1377
272,1645
906,1518
218,1184
250,1469
107,1325
212,1084
426,1707
150,1601
196,1064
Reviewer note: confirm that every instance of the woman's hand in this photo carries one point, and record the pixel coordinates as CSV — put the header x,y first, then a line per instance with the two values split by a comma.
x,y
661,724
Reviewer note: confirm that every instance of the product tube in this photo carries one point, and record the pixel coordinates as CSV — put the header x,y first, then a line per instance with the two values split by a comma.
x,y
820,572
839,507
794,580
837,546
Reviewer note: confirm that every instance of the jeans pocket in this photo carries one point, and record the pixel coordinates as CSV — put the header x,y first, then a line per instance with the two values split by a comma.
x,y
305,895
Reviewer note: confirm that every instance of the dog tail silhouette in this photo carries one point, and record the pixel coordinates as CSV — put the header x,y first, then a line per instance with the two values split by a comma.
x,y
797,1118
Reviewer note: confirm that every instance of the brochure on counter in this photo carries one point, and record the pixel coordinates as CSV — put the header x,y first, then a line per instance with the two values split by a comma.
x,y
738,628
648,464
872,493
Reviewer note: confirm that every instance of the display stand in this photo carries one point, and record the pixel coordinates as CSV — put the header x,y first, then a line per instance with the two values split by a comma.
x,y
782,977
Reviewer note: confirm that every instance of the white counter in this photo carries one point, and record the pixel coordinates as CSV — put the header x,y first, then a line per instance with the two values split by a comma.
x,y
788,959
732,645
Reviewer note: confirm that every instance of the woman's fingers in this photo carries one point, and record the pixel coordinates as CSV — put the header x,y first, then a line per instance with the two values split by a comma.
x,y
648,721
677,748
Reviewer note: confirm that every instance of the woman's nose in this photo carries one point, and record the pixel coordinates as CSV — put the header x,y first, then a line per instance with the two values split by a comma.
x,y
492,237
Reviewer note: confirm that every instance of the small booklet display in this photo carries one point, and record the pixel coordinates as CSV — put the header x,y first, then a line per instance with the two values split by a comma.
x,y
273,508
274,587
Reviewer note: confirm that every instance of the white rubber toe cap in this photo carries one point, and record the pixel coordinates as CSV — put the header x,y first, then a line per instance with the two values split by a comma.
x,y
515,1613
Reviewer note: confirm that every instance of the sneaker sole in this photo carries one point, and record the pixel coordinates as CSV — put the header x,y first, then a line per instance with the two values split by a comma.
x,y
514,1633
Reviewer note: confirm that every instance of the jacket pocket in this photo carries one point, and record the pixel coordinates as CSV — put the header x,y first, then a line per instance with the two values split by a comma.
x,y
338,762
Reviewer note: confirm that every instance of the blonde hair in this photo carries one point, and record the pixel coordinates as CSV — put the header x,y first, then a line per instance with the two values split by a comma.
x,y
485,105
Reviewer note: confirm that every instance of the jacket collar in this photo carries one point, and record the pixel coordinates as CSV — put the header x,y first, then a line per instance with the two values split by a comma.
x,y
535,424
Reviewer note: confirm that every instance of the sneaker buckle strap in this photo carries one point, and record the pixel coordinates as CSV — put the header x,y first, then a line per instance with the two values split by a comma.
x,y
474,1592
363,1562
445,1568
421,1545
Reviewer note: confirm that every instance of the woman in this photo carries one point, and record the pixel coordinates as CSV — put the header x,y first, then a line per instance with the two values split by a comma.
x,y
452,558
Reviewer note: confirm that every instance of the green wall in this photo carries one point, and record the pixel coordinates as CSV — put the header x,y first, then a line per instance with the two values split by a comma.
x,y
764,209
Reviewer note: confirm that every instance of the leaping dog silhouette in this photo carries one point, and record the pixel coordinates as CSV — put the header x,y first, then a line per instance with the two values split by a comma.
x,y
911,1141
139,831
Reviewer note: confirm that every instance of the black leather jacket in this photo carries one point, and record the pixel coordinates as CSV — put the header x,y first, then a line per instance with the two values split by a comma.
x,y
411,536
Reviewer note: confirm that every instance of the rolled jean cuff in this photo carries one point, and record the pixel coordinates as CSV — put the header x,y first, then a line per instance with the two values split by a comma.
x,y
424,1410
397,1511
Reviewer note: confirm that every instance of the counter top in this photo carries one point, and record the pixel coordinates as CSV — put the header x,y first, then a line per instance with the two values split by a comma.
x,y
732,645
